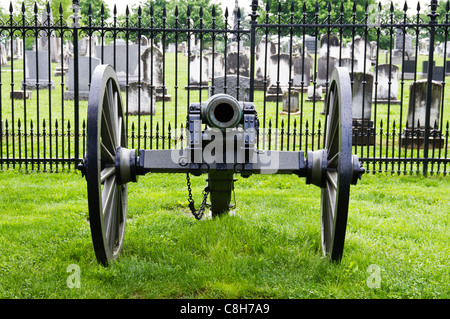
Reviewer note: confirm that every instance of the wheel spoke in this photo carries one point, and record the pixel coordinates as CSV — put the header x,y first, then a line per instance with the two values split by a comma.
x,y
331,204
108,193
109,208
113,225
119,132
106,173
107,134
332,176
334,161
106,155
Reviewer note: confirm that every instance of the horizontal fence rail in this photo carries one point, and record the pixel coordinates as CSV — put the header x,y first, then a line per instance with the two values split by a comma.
x,y
280,55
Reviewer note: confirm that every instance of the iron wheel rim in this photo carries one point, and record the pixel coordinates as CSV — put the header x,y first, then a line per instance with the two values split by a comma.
x,y
107,200
338,143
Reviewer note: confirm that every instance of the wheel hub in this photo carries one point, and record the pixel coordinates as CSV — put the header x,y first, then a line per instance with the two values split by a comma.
x,y
126,162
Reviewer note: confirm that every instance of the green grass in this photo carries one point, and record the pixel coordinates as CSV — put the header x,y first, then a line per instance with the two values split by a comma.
x,y
269,249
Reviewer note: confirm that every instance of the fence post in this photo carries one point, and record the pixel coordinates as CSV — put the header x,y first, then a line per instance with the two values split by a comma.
x,y
75,26
253,24
433,15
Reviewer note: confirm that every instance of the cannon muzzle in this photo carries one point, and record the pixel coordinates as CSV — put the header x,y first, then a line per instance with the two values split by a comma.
x,y
222,111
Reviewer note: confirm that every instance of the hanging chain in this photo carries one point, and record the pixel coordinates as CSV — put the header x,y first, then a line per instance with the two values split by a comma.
x,y
198,214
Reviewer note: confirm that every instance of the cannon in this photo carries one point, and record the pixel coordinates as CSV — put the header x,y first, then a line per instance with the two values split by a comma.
x,y
222,143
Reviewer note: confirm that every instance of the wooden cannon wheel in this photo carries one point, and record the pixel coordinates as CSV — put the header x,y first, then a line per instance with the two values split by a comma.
x,y
339,169
107,196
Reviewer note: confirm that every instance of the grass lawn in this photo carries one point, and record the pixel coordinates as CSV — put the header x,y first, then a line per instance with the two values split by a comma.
x,y
397,240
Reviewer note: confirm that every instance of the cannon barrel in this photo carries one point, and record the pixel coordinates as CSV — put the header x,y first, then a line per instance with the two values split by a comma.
x,y
222,111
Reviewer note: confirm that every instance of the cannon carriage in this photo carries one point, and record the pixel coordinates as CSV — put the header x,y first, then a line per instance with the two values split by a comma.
x,y
221,142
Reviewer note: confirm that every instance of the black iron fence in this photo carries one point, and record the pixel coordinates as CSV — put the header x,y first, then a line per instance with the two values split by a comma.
x,y
278,54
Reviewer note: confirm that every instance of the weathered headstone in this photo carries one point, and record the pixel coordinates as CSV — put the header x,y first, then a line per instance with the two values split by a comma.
x,y
363,130
14,49
230,85
84,77
402,40
387,87
301,71
3,55
141,101
198,73
311,44
63,64
291,102
47,40
143,40
261,64
329,46
117,56
279,76
414,132
237,62
347,63
171,48
361,53
214,61
37,76
314,93
152,70
325,69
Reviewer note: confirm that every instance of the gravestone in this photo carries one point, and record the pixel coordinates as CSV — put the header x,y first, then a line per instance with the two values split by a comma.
x,y
37,77
325,69
48,40
363,130
387,73
311,44
314,94
347,63
414,132
152,71
438,73
291,102
329,46
373,50
16,46
237,62
261,64
117,56
84,77
141,91
215,60
63,64
3,56
279,76
361,53
409,69
231,83
171,48
402,40
143,40
198,73
301,72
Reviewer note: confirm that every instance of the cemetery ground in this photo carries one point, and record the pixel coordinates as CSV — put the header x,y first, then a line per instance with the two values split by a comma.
x,y
51,108
396,242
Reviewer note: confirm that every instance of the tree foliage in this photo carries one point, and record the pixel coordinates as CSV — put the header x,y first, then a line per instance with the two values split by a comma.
x,y
94,12
172,14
